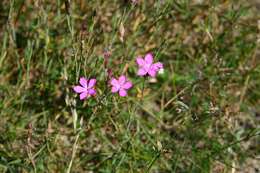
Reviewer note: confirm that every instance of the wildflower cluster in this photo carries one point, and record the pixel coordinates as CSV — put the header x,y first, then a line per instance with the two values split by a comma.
x,y
120,85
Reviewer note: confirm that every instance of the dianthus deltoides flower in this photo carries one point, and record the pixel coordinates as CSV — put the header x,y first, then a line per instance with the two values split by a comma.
x,y
86,88
121,85
147,67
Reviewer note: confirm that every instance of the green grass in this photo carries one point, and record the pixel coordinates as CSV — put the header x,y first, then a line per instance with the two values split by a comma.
x,y
200,115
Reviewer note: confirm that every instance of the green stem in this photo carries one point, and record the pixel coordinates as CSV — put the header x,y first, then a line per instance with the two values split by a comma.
x,y
143,89
152,162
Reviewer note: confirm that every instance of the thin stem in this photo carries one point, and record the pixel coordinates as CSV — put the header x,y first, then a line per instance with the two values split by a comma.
x,y
152,162
73,153
143,89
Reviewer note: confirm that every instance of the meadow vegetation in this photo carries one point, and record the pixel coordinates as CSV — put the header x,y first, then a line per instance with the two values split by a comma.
x,y
200,114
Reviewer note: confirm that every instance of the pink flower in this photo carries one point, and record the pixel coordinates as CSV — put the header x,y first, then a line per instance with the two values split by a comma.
x,y
121,85
86,88
146,66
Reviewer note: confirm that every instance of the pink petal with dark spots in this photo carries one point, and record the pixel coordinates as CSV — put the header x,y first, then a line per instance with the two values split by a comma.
x,y
157,66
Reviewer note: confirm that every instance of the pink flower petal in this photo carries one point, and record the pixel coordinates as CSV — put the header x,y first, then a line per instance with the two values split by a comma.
x,y
157,66
91,83
152,72
148,58
122,80
114,82
92,91
141,72
127,85
83,95
83,81
114,89
140,61
79,89
122,92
